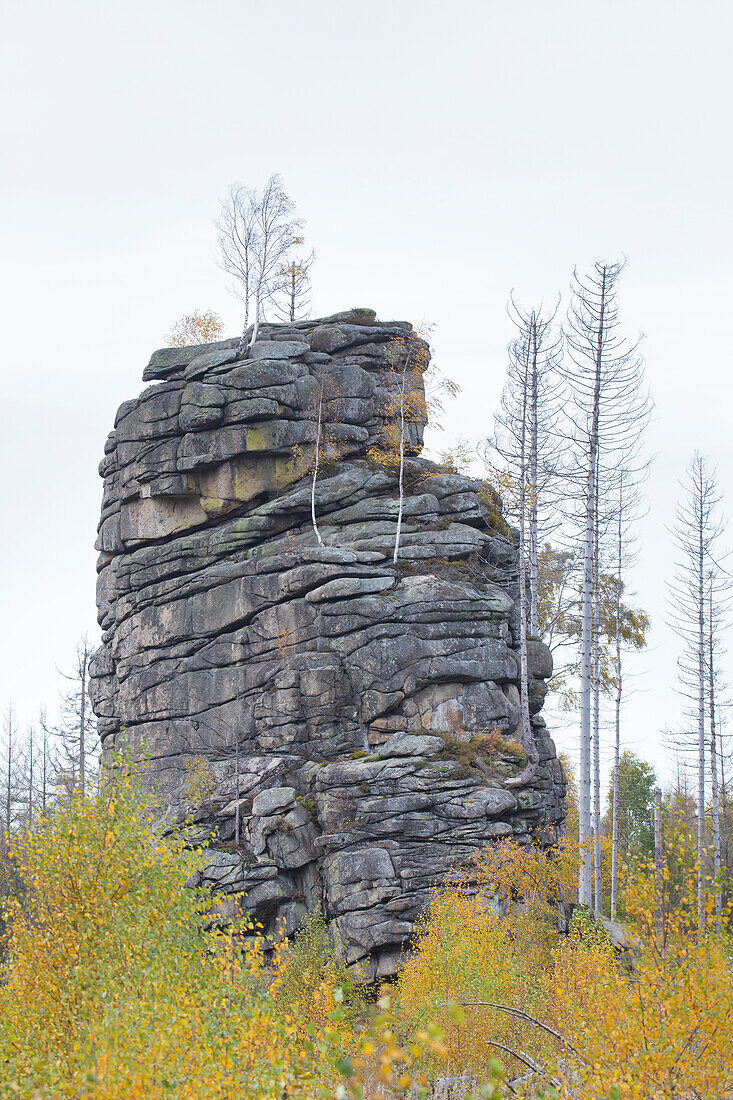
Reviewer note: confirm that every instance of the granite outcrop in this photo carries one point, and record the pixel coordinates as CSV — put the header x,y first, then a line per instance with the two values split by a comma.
x,y
343,727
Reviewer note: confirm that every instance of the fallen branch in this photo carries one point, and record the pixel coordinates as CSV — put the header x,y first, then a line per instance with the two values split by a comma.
x,y
521,1057
522,1016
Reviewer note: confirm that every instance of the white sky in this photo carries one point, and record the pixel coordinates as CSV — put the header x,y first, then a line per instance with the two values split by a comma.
x,y
442,153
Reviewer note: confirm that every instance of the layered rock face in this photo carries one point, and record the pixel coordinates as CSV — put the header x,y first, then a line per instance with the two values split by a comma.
x,y
357,717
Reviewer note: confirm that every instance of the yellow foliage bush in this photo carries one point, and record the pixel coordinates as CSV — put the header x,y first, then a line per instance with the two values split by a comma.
x,y
113,989
651,1023
195,328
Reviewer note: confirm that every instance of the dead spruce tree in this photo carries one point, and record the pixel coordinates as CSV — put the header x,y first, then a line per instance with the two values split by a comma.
x,y
257,233
77,732
524,427
11,778
605,417
696,595
47,764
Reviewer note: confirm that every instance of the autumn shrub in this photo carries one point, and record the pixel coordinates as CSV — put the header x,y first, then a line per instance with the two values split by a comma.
x,y
467,953
664,1028
113,988
569,1009
307,970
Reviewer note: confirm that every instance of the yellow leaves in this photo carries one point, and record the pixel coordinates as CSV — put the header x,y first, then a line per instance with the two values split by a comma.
x,y
200,780
658,1026
195,328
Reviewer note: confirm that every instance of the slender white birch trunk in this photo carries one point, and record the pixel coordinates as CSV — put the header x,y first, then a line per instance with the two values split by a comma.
x,y
316,461
256,327
400,508
619,689
242,345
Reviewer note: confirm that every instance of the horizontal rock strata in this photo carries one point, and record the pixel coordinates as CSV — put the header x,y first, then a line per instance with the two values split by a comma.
x,y
358,717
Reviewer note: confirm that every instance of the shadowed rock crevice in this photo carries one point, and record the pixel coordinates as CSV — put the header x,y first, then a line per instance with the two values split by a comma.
x,y
359,716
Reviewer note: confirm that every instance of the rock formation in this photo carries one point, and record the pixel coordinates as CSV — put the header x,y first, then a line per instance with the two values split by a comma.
x,y
358,717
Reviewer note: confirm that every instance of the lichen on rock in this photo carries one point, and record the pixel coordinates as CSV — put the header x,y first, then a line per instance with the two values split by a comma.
x,y
324,692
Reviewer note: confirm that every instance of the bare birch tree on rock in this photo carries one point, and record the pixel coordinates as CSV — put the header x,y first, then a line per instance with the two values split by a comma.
x,y
606,413
257,233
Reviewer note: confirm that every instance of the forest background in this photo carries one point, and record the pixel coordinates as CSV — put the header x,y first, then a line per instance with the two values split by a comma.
x,y
440,160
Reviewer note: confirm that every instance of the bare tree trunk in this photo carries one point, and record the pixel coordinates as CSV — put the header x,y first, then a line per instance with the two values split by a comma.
x,y
401,506
9,792
724,839
527,738
701,727
585,877
82,719
242,345
236,777
44,761
44,774
597,866
30,777
617,738
256,327
316,460
659,867
534,626
714,759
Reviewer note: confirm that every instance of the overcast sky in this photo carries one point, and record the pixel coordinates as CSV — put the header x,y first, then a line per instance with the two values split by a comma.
x,y
442,154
